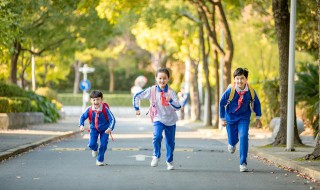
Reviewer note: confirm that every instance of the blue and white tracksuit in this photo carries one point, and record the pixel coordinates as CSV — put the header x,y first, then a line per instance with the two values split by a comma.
x,y
103,125
238,121
165,119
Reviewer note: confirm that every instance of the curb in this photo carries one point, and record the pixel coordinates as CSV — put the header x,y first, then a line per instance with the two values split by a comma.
x,y
24,148
285,162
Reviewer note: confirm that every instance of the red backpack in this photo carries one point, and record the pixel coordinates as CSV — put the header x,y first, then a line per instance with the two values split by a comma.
x,y
104,111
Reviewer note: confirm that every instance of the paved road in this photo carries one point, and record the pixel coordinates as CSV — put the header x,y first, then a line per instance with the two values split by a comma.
x,y
201,163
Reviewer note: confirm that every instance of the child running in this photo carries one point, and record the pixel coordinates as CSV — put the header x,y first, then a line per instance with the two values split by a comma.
x,y
164,104
235,114
101,122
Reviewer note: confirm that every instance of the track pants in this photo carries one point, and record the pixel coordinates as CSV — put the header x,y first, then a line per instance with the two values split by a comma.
x,y
93,144
236,131
169,132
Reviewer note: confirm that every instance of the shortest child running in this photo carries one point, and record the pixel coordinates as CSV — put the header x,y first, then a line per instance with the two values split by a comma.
x,y
163,106
101,122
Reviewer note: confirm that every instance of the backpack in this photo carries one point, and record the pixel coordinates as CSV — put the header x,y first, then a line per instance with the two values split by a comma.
x,y
152,109
104,111
153,101
231,96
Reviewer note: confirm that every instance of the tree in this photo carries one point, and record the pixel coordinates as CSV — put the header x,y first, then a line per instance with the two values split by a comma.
x,y
282,20
316,152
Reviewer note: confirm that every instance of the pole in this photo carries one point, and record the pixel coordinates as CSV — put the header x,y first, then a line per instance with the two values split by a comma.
x,y
221,89
290,111
33,71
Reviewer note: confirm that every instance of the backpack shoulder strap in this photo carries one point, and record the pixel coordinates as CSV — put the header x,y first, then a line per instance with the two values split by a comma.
x,y
104,110
90,114
153,94
231,93
251,92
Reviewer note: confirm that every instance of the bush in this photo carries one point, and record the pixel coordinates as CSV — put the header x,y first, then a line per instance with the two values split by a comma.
x,y
47,92
25,101
7,90
19,104
4,105
16,104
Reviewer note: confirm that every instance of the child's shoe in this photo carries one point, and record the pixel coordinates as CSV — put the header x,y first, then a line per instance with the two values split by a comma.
x,y
155,161
94,154
170,166
243,168
231,149
99,163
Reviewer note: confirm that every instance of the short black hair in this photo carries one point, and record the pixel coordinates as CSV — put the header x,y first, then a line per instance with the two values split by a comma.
x,y
96,94
241,71
163,70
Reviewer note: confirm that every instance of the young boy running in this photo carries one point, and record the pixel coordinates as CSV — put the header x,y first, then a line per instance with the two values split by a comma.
x,y
235,114
102,123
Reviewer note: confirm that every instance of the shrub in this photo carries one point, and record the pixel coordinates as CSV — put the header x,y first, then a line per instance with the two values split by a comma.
x,y
4,105
19,104
47,92
8,90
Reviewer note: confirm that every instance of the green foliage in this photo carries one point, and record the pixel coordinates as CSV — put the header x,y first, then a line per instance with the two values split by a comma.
x,y
19,104
45,106
15,104
307,93
124,100
47,92
271,97
4,105
19,100
7,90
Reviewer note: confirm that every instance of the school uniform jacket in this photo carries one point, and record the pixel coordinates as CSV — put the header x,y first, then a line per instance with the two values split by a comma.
x,y
103,124
165,114
244,112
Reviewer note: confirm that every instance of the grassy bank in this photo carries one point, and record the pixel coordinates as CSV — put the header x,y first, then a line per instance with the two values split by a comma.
x,y
122,100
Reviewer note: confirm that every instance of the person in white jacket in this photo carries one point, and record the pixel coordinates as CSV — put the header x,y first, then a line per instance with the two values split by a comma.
x,y
163,106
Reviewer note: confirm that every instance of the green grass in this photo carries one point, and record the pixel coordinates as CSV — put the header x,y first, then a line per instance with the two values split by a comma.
x,y
121,100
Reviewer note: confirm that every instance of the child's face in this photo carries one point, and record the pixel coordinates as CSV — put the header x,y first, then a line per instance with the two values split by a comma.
x,y
96,102
162,80
240,81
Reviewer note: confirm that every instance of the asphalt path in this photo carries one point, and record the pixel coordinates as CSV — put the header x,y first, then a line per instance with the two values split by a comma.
x,y
200,163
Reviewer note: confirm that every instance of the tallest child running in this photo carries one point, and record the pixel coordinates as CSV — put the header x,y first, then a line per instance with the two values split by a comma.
x,y
165,118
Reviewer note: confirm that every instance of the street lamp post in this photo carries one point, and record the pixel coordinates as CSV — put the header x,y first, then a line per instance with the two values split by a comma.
x,y
85,84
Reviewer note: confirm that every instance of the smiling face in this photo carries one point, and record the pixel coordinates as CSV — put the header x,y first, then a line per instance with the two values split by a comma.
x,y
162,79
96,102
240,81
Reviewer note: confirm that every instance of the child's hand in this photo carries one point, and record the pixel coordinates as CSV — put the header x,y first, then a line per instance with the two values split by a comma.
x,y
108,131
138,112
259,124
168,98
81,128
223,123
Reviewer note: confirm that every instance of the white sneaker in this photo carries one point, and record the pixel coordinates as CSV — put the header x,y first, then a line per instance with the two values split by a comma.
x,y
170,166
99,163
94,154
243,168
155,161
231,149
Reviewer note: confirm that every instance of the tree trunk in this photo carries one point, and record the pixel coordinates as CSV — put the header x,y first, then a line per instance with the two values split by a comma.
x,y
111,74
194,93
282,21
207,106
282,26
76,83
14,62
229,43
316,152
217,90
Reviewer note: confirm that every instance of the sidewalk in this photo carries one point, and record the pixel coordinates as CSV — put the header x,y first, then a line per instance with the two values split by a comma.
x,y
14,142
258,138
